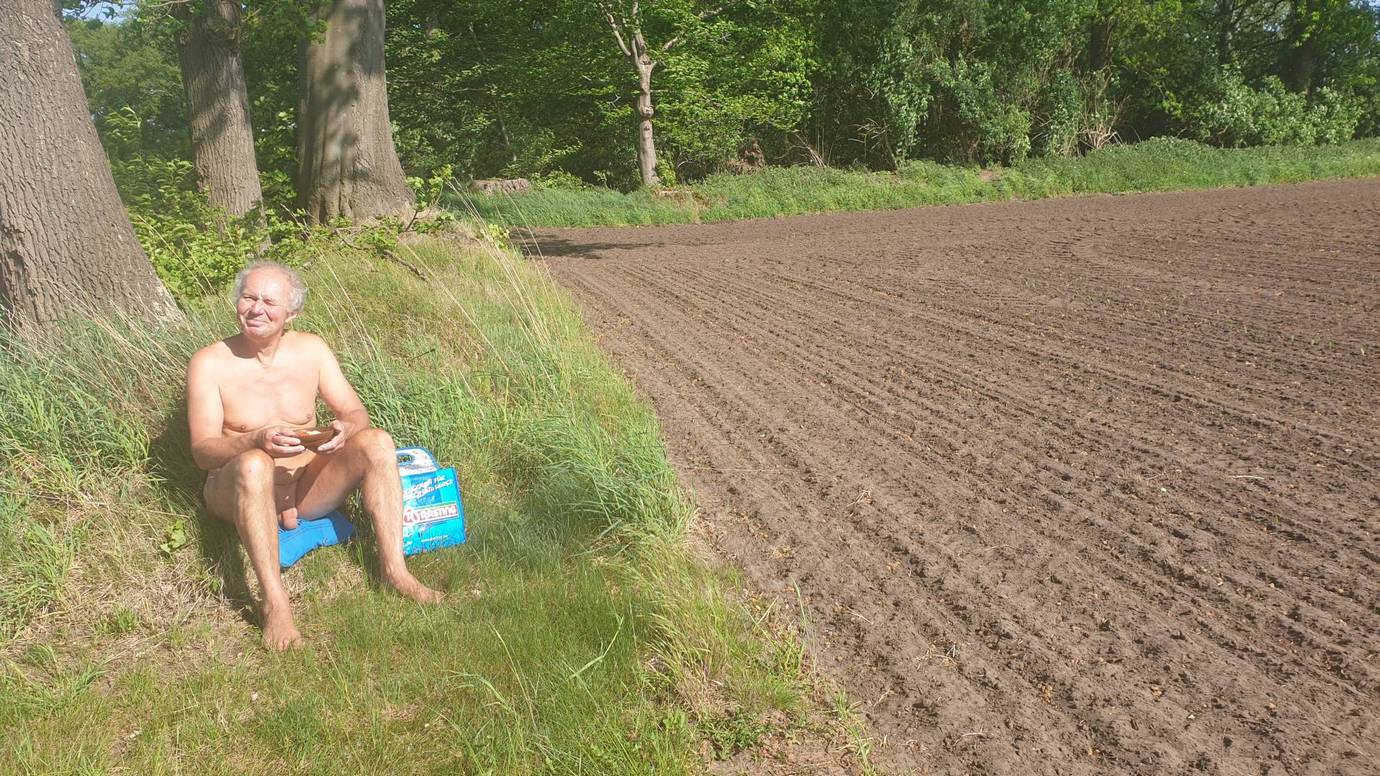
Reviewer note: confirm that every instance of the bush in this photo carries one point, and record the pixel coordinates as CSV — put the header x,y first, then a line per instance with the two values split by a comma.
x,y
1062,107
1272,115
1337,116
179,230
193,248
993,127
558,179
1075,116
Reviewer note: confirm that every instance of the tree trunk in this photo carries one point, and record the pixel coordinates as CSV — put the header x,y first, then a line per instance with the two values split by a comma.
x,y
646,145
66,244
626,24
350,168
1302,56
1226,31
218,108
1099,38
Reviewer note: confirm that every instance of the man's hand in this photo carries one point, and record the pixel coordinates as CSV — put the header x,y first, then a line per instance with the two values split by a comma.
x,y
343,431
278,441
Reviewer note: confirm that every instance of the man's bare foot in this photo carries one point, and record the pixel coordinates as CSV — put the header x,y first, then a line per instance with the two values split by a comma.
x,y
280,633
407,585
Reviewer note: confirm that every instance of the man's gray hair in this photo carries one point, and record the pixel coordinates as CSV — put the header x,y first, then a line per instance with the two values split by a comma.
x,y
298,296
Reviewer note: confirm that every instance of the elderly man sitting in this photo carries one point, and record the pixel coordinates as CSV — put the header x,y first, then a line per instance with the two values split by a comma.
x,y
245,397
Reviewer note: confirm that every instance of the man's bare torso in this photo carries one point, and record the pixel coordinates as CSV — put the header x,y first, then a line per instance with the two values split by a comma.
x,y
255,395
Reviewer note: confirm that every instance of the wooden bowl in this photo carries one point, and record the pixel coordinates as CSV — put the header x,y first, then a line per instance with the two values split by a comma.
x,y
312,438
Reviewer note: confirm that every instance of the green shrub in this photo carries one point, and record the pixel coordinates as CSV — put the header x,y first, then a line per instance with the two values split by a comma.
x,y
558,179
428,191
1337,116
1272,115
1062,106
196,250
996,128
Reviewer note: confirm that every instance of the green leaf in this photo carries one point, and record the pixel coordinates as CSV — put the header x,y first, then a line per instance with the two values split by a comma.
x,y
176,538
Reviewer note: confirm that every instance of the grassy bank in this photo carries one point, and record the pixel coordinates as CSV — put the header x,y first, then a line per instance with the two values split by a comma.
x,y
579,636
1157,165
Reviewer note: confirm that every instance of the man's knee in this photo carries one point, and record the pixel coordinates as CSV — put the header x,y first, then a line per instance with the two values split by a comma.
x,y
253,470
376,445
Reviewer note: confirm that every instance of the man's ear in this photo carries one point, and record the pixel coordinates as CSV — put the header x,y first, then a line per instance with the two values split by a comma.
x,y
290,318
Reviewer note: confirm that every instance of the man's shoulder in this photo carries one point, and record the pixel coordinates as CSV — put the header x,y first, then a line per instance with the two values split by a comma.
x,y
306,342
215,353
301,338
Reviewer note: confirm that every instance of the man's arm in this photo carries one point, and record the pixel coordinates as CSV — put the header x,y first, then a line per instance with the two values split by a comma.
x,y
340,396
211,448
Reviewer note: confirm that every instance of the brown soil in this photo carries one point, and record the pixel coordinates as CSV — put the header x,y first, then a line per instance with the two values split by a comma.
x,y
1076,486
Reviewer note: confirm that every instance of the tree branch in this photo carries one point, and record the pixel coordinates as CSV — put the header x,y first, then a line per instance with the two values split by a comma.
x,y
616,26
703,16
707,14
639,44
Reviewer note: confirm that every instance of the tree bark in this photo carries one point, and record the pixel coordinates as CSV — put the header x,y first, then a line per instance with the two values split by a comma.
x,y
646,144
66,244
1302,55
1226,19
350,167
1099,37
218,107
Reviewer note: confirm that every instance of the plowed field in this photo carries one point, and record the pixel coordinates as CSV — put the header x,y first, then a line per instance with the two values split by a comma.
x,y
1077,486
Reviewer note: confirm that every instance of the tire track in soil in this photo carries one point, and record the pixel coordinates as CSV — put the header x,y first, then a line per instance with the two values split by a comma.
x,y
1076,486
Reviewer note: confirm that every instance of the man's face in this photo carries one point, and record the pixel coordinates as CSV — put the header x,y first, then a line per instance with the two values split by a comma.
x,y
264,308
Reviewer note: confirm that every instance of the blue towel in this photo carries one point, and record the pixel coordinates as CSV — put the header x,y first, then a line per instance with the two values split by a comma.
x,y
310,534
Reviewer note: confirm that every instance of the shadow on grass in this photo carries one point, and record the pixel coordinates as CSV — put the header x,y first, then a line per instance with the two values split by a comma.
x,y
363,546
170,460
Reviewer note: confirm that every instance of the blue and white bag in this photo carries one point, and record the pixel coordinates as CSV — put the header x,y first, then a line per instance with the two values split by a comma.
x,y
433,516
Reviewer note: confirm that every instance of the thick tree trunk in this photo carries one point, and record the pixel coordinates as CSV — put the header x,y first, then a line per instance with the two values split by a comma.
x,y
646,144
350,168
1302,55
1226,31
218,107
1099,38
66,244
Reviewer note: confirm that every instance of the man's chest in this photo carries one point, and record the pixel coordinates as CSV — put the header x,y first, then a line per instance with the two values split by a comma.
x,y
254,396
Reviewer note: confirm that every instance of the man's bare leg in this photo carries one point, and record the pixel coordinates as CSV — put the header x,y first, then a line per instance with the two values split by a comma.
x,y
242,493
368,461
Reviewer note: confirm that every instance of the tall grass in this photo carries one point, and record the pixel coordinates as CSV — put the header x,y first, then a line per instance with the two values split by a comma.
x,y
1162,164
579,637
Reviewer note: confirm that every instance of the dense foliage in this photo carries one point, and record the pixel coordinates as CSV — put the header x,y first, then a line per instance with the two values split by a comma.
x,y
980,80
541,89
499,88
